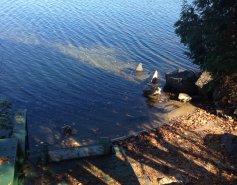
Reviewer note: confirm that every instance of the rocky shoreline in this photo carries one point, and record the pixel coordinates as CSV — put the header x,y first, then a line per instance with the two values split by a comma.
x,y
194,146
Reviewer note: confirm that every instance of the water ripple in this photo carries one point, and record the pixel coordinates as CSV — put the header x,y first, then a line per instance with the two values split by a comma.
x,y
73,61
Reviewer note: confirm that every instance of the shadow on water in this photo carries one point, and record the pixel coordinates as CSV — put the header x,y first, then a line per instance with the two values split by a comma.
x,y
53,101
95,101
48,111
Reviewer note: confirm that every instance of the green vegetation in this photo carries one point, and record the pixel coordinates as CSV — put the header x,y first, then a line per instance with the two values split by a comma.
x,y
209,29
5,113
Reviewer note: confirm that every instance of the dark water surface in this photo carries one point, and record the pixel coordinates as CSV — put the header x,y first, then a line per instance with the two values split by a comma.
x,y
71,62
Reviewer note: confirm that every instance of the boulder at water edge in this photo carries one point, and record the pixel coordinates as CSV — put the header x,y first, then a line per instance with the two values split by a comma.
x,y
203,83
184,97
181,81
152,89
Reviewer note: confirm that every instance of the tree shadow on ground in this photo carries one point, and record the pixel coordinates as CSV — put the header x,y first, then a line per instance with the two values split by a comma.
x,y
184,158
108,169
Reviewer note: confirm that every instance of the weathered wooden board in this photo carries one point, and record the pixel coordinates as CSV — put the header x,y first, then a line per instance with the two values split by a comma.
x,y
103,147
20,130
8,154
73,153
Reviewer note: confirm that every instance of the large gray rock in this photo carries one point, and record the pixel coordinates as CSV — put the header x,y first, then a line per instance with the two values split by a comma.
x,y
203,83
181,81
152,89
229,141
218,94
204,79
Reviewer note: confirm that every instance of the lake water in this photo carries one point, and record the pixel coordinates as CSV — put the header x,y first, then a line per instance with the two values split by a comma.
x,y
72,62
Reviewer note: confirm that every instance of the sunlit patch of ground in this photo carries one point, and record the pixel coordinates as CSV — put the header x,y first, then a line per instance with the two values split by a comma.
x,y
187,151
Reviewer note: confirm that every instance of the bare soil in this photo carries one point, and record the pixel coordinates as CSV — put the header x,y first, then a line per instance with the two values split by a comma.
x,y
187,150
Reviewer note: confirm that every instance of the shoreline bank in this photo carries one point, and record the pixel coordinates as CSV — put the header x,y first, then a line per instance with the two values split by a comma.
x,y
188,150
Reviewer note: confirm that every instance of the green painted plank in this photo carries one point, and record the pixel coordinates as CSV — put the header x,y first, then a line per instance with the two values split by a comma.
x,y
8,152
20,130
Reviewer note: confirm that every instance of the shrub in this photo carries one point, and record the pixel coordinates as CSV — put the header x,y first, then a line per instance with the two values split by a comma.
x,y
209,29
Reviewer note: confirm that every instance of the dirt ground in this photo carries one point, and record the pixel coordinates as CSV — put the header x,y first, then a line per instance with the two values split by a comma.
x,y
188,150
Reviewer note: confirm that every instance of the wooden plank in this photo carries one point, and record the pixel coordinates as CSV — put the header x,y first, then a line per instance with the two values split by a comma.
x,y
103,147
74,153
20,130
8,152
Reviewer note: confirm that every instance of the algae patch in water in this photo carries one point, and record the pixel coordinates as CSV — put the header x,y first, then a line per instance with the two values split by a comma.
x,y
108,59
5,113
